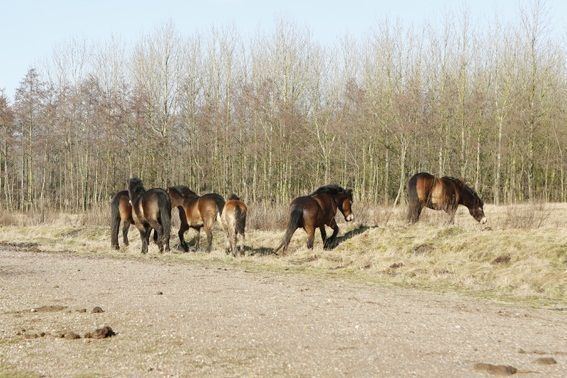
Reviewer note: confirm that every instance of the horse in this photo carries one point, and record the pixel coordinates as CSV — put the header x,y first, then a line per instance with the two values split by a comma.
x,y
445,193
317,210
233,220
150,209
121,212
196,212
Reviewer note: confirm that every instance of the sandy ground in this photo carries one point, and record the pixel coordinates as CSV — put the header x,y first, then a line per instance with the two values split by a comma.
x,y
182,319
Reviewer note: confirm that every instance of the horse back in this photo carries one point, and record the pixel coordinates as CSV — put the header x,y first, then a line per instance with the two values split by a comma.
x,y
327,206
175,196
125,208
150,203
234,213
421,184
439,193
210,204
317,209
452,189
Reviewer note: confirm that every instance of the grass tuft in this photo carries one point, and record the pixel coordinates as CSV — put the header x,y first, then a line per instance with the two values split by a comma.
x,y
521,261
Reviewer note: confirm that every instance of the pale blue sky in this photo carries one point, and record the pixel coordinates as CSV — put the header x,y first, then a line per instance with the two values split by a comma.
x,y
29,30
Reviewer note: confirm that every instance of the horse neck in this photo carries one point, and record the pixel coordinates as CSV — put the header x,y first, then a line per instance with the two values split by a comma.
x,y
467,198
335,200
322,199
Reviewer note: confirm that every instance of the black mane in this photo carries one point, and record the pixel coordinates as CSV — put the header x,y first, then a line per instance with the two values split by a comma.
x,y
330,189
466,189
135,187
233,196
183,191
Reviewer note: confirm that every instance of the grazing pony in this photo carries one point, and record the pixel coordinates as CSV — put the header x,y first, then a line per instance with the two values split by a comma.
x,y
150,209
445,193
121,211
196,212
317,210
233,220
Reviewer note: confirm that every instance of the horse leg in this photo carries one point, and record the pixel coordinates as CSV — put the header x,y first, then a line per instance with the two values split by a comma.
x,y
331,240
158,229
181,234
198,238
310,235
125,229
227,244
323,235
414,212
451,211
418,213
241,246
114,232
233,241
209,233
144,233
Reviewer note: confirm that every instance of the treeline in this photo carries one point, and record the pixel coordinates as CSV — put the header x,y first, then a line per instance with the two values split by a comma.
x,y
278,115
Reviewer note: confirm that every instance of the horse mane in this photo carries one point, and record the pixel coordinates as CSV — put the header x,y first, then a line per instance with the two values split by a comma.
x,y
135,185
183,191
329,189
465,188
234,197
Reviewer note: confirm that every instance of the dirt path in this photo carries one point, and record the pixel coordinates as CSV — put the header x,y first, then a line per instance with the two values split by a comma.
x,y
179,319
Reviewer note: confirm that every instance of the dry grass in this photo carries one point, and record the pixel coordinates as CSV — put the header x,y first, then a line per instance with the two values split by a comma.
x,y
521,255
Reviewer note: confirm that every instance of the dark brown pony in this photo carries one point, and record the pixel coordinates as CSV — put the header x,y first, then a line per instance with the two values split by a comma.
x,y
317,210
445,193
196,212
121,212
150,209
234,223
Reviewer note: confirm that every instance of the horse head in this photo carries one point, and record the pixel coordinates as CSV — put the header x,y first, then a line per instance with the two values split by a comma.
x,y
475,205
135,188
345,204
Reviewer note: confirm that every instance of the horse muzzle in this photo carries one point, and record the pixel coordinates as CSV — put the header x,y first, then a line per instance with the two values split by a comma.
x,y
483,220
349,218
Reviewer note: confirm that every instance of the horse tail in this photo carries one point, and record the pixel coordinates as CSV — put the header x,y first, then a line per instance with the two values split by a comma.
x,y
219,200
294,223
233,196
239,220
164,204
413,200
114,220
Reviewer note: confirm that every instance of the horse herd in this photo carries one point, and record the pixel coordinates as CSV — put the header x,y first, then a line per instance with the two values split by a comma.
x,y
151,209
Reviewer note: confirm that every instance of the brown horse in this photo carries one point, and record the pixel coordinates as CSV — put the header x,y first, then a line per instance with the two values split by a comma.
x,y
445,193
317,210
196,212
150,209
233,220
121,211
